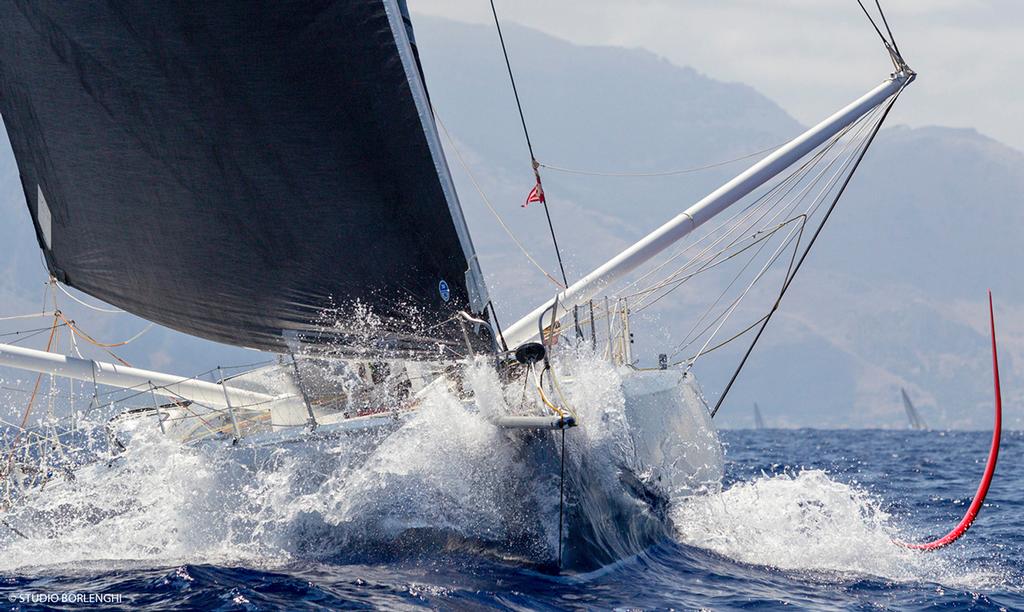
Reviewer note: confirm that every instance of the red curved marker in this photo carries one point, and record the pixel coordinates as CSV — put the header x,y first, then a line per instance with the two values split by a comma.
x,y
990,467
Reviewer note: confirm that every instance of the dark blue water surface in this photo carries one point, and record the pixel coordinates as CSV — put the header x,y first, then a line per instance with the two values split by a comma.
x,y
805,521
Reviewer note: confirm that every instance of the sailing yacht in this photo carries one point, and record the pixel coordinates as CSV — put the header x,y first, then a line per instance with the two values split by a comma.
x,y
270,176
914,420
758,418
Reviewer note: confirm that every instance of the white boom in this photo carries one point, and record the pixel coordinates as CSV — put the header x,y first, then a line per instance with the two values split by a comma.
x,y
717,201
168,385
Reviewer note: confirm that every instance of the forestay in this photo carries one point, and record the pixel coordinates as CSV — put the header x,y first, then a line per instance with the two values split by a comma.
x,y
234,169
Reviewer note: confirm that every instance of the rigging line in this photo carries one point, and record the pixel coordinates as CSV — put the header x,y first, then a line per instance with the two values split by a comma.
x,y
89,306
78,332
33,334
529,144
736,278
873,24
74,346
106,347
561,499
757,238
803,257
27,331
5,388
32,398
732,224
885,22
46,290
778,195
45,313
490,207
497,325
893,54
512,80
763,204
737,335
248,367
774,197
794,181
688,340
663,173
799,230
742,214
698,258
815,203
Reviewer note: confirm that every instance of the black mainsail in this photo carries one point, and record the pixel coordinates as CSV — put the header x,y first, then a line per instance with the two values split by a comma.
x,y
238,170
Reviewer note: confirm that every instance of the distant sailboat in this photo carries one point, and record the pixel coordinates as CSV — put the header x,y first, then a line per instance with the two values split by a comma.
x,y
913,417
758,418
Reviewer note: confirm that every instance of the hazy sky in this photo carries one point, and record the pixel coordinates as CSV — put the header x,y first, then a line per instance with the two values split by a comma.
x,y
810,56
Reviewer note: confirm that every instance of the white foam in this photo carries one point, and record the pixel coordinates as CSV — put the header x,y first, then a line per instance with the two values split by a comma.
x,y
810,523
446,469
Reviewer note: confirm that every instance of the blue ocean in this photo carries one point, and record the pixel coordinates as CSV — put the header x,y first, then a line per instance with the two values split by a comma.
x,y
805,520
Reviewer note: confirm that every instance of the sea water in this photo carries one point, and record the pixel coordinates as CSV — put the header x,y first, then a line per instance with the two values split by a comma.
x,y
804,518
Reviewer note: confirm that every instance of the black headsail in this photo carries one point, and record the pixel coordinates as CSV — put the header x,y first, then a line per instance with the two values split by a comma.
x,y
235,169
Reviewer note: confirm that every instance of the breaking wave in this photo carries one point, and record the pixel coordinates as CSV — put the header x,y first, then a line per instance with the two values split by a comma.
x,y
811,524
446,479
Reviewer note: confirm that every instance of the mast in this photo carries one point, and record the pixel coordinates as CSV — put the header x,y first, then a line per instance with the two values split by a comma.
x,y
714,203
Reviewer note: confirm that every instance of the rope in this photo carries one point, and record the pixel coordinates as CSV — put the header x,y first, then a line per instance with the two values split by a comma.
x,y
89,306
45,313
778,194
490,207
529,144
561,499
31,401
78,332
724,316
106,347
771,261
807,213
873,24
548,403
732,224
892,39
673,281
676,282
795,178
31,332
894,54
803,256
774,196
662,173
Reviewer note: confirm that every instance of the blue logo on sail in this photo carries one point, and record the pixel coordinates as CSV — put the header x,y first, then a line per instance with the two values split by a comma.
x,y
443,289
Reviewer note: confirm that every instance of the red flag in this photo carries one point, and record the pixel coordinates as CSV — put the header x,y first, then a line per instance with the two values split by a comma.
x,y
536,195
